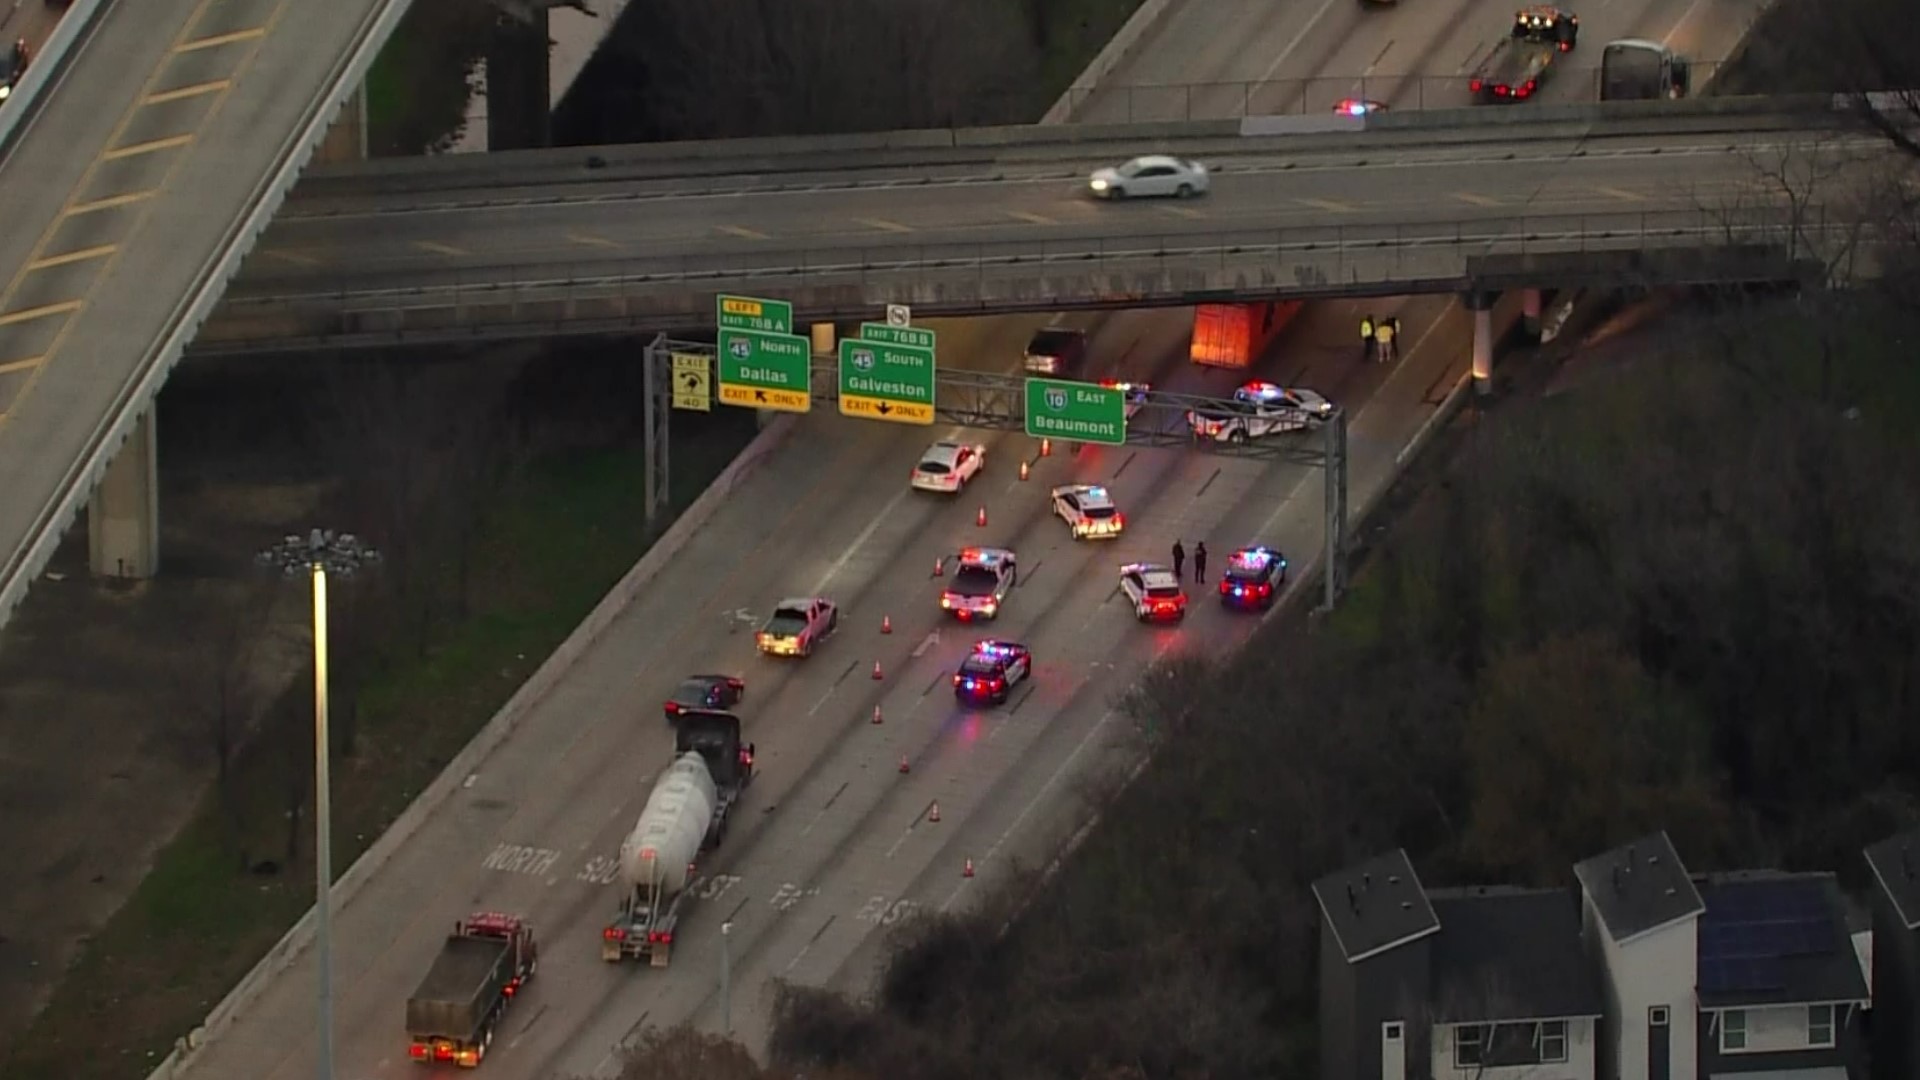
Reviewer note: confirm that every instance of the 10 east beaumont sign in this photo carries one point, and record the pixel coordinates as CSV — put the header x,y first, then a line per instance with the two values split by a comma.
x,y
1082,412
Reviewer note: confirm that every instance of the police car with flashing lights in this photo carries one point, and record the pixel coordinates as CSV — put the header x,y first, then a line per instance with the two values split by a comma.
x,y
716,692
1089,511
990,671
1135,393
947,466
1154,592
1259,409
1254,577
981,584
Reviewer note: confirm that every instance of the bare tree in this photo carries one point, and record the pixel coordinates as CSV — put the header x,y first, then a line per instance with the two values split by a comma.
x,y
216,681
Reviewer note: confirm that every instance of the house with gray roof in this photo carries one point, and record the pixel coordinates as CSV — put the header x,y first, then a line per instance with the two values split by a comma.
x,y
1451,984
1639,914
1895,904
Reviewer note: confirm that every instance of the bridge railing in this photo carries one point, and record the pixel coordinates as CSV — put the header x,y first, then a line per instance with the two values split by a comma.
x,y
1319,95
1333,247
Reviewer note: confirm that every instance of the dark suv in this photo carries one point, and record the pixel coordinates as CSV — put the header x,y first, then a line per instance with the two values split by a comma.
x,y
1057,350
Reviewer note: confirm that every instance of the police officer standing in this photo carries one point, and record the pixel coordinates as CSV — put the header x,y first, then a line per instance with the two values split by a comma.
x,y
1200,561
1366,337
1179,559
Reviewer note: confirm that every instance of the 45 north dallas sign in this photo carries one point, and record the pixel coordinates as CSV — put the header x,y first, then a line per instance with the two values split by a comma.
x,y
1081,412
886,380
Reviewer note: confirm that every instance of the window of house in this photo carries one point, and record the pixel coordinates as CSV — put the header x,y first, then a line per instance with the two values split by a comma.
x,y
1733,1030
1553,1042
1392,1029
1657,1016
1469,1046
1820,1025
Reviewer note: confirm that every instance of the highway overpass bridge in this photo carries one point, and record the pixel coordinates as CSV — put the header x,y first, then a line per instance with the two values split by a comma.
x,y
147,147
998,221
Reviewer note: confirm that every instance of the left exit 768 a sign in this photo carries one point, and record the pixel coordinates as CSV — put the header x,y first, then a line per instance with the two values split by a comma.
x,y
753,313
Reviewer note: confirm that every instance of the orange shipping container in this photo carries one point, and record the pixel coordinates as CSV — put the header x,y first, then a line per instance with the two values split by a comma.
x,y
1234,335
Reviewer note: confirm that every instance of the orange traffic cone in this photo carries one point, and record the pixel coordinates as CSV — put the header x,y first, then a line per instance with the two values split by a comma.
x,y
886,624
904,767
876,670
876,715
1046,447
939,566
967,870
1023,470
933,813
980,518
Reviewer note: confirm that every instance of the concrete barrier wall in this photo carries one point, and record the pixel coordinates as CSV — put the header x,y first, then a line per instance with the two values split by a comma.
x,y
48,68
544,679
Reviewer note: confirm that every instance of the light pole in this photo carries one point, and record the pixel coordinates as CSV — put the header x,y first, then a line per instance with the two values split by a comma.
x,y
317,554
726,979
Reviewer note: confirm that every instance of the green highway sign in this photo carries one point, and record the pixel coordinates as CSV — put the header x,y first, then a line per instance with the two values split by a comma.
x,y
747,313
881,380
919,337
765,371
1081,412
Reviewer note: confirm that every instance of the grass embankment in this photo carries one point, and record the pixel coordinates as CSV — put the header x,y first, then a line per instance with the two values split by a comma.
x,y
560,537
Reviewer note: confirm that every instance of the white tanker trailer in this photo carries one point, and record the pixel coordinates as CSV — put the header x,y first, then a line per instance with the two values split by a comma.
x,y
686,814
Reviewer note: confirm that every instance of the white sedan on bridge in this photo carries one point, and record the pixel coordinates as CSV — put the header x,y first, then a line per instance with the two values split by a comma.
x,y
1153,175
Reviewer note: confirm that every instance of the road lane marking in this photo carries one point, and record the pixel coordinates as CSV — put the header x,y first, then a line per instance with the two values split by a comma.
x,y
1183,211
743,232
1477,200
438,248
808,947
1331,205
1031,218
1620,193
43,311
180,93
591,241
10,366
293,257
250,34
884,225
885,515
81,255
108,203
150,146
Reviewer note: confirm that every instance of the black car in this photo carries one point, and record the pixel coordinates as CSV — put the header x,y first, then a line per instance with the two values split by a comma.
x,y
991,670
13,64
1254,577
720,692
1057,350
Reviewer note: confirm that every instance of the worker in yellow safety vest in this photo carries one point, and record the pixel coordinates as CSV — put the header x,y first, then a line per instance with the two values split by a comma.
x,y
1383,333
1366,337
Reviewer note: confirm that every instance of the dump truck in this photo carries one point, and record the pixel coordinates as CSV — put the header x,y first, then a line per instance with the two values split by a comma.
x,y
481,969
1635,70
1234,335
1519,62
686,814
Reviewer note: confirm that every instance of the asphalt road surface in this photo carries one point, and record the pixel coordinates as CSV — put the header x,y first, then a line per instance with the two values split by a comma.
x,y
1231,57
833,843
579,231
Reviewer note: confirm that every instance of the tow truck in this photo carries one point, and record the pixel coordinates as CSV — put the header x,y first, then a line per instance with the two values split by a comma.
x,y
1519,62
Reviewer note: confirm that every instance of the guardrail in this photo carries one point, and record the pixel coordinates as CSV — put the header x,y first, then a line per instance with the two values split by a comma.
x,y
48,68
1559,233
1282,97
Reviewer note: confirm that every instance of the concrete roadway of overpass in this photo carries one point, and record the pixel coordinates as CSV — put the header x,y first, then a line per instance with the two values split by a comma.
x,y
169,133
1339,214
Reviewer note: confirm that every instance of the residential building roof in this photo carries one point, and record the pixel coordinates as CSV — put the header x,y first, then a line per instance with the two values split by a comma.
x,y
1639,887
1895,861
1510,954
1769,938
1375,906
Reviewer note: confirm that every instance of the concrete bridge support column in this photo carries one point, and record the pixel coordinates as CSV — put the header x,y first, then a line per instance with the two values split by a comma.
x,y
347,139
519,114
1481,304
1530,313
123,521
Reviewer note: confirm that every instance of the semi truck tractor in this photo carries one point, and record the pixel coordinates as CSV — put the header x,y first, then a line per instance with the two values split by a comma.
x,y
686,814
482,967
